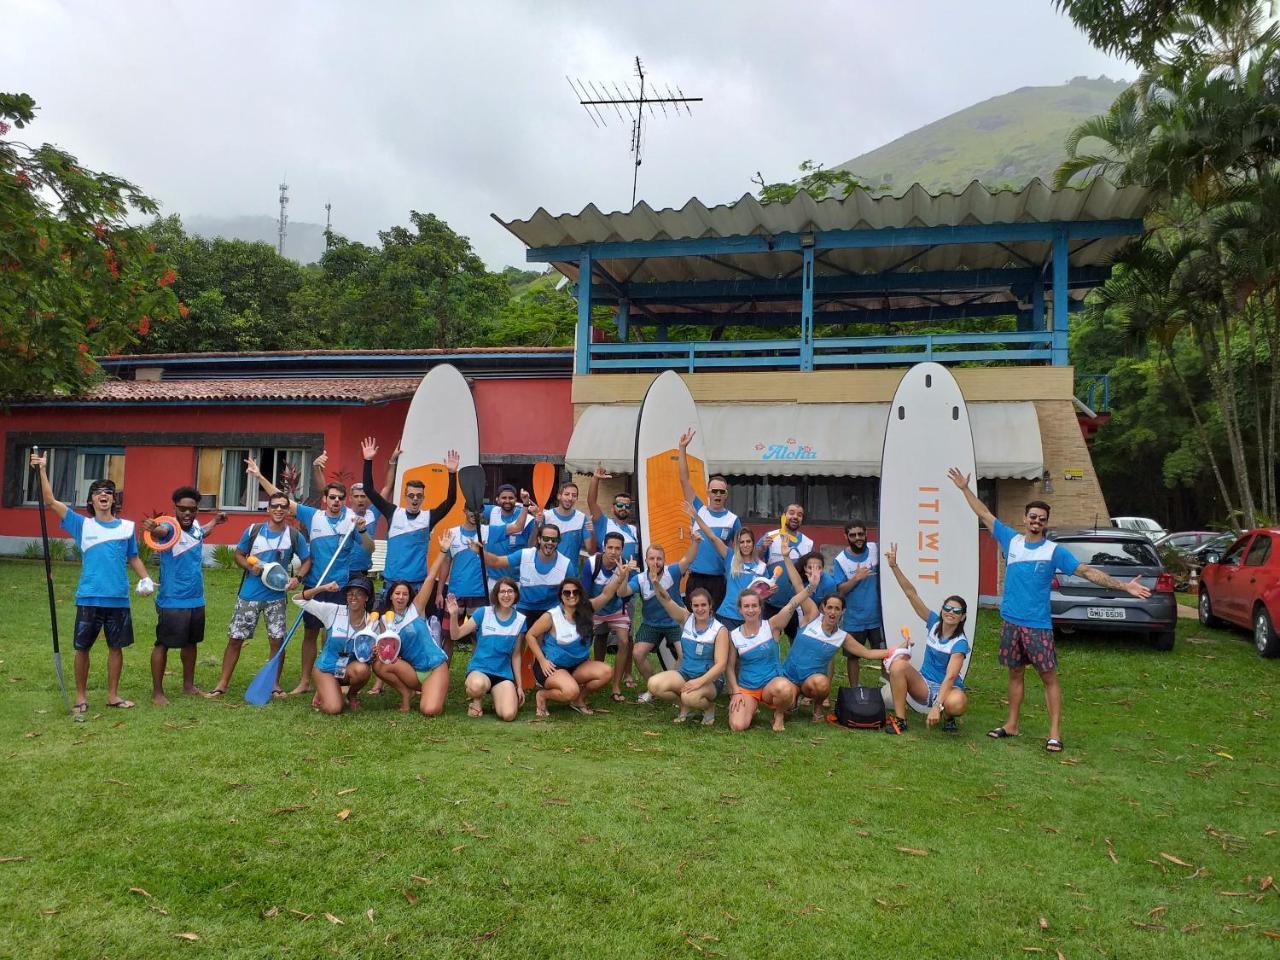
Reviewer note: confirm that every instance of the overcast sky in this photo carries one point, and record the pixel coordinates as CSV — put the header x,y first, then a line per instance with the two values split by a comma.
x,y
463,109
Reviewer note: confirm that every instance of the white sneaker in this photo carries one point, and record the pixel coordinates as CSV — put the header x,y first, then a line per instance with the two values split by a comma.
x,y
709,716
645,697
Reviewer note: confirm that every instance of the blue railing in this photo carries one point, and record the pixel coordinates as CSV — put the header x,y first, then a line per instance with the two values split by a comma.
x,y
1094,391
698,355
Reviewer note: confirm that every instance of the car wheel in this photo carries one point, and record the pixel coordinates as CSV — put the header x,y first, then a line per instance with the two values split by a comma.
x,y
1264,634
1207,619
1163,639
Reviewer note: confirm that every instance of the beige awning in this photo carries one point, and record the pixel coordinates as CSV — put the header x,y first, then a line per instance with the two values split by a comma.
x,y
808,439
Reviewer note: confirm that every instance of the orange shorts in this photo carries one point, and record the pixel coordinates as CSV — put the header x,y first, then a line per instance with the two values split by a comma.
x,y
756,694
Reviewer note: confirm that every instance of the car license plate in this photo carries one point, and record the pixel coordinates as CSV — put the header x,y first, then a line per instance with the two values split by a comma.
x,y
1105,613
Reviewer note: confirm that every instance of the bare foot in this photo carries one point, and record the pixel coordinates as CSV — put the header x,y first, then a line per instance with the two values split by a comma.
x,y
779,723
353,704
192,691
475,708
159,699
300,688
680,717
376,689
540,704
315,701
819,717
404,704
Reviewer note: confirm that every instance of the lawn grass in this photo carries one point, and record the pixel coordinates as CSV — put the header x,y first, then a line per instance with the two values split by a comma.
x,y
621,835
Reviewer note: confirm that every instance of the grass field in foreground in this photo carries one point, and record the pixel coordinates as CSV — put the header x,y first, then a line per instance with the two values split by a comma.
x,y
280,832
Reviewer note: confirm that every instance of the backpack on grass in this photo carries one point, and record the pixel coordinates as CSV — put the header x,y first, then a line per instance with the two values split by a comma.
x,y
861,708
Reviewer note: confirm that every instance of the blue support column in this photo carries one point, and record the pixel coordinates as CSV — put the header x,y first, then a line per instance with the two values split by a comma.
x,y
1060,314
806,310
1037,305
623,320
582,341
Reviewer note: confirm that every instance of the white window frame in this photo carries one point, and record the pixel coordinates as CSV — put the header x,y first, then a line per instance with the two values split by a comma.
x,y
255,499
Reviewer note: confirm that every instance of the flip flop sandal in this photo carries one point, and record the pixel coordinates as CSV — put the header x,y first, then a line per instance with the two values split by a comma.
x,y
582,709
81,708
475,710
999,733
215,693
121,704
1053,745
615,697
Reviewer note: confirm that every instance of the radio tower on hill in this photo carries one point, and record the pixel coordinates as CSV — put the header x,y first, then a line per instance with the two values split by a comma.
x,y
282,228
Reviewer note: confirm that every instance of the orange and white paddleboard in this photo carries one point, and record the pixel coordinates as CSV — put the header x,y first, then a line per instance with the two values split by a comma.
x,y
666,412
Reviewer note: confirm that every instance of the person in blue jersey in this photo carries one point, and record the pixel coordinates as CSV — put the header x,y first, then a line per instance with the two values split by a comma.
x,y
274,541
742,570
327,533
937,684
180,597
656,625
575,532
337,665
539,570
409,527
494,668
463,570
813,567
755,674
1026,628
809,658
787,540
698,676
362,506
618,520
858,566
422,666
560,641
107,547
707,570
612,619
509,524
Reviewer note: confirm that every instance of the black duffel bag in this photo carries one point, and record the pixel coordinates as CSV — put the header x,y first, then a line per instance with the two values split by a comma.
x,y
861,708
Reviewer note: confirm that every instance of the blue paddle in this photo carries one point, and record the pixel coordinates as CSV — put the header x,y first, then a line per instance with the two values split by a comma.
x,y
259,691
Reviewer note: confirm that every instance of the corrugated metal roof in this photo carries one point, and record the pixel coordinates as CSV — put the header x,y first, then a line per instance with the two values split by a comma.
x,y
1034,203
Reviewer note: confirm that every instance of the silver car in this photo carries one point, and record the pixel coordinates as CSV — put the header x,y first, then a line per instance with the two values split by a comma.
x,y
1079,604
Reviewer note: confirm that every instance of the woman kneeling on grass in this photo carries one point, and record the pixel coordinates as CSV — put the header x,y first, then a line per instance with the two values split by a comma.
x,y
937,684
495,663
808,663
564,671
336,663
704,654
755,667
423,665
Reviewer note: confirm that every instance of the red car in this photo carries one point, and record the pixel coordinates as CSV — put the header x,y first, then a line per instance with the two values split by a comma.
x,y
1243,587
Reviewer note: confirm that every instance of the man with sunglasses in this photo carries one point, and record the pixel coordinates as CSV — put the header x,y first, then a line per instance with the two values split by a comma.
x,y
107,545
788,539
707,570
1026,629
575,535
325,531
262,543
539,570
618,522
858,567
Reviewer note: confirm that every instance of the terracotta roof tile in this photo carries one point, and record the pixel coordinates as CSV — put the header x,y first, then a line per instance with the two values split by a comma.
x,y
337,389
159,358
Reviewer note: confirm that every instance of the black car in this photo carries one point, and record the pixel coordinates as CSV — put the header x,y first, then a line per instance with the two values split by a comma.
x,y
1079,604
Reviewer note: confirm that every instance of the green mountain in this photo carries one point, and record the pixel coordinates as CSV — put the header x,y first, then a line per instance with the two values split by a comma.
x,y
1004,141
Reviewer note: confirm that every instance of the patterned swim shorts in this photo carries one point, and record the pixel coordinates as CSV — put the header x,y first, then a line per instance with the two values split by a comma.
x,y
1027,646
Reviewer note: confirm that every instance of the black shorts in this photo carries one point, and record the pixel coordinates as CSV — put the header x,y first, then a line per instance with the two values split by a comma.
x,y
326,596
115,622
713,583
494,680
872,638
179,626
540,678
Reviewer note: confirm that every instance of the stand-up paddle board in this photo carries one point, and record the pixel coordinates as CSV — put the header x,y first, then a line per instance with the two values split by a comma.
x,y
442,417
921,510
665,413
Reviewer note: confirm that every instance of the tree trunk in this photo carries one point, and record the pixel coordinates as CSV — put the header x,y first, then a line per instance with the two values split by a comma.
x,y
1202,432
1227,390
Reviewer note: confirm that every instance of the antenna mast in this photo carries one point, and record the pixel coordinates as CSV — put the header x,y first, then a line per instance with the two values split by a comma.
x,y
328,225
593,98
282,228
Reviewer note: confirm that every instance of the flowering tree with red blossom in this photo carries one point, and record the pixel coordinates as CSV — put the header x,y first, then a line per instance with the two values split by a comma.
x,y
76,280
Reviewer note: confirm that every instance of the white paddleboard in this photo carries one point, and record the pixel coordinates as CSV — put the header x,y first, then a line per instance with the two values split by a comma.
x,y
921,510
442,417
665,413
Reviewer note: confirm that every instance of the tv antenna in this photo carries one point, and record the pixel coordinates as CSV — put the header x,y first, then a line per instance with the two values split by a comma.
x,y
282,227
593,98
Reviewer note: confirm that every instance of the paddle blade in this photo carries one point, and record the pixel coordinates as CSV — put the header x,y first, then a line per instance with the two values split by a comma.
x,y
544,483
260,687
471,483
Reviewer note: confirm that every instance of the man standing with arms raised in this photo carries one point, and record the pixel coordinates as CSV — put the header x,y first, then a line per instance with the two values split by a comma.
x,y
788,540
1026,629
575,535
707,570
618,522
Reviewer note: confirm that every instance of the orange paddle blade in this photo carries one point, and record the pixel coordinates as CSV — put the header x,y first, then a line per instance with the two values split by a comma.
x,y
668,523
544,482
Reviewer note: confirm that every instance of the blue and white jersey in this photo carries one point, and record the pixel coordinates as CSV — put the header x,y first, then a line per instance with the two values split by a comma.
x,y
500,543
362,559
418,647
596,577
496,641
698,647
106,549
573,534
325,533
563,645
269,546
773,560
539,580
466,578
938,652
605,524
655,614
408,540
758,659
862,602
182,571
1028,577
735,583
813,651
725,525
338,631
826,587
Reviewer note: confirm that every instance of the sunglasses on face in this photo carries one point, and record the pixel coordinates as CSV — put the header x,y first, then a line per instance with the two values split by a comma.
x,y
1035,518
622,504
568,593
278,506
947,608
717,493
549,539
414,496
334,496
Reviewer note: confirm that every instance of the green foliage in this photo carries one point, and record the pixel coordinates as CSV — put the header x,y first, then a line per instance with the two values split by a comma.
x,y
224,556
1140,30
817,182
77,280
